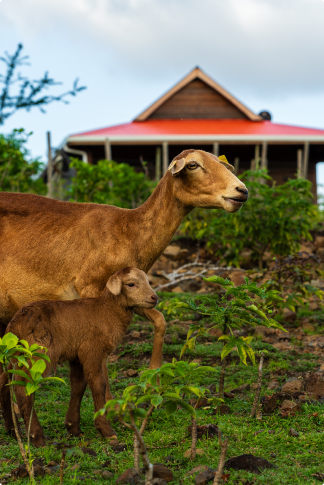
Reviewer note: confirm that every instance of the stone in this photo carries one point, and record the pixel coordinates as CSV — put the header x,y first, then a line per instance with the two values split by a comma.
x,y
308,327
215,332
243,388
319,242
159,481
205,477
106,474
293,386
161,471
289,315
248,462
39,471
321,368
74,467
197,469
175,253
273,385
314,384
88,451
289,408
177,289
293,432
237,277
271,404
199,451
130,476
222,409
208,430
130,372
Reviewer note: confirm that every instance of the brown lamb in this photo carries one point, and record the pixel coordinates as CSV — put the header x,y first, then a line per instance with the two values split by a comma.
x,y
83,332
54,250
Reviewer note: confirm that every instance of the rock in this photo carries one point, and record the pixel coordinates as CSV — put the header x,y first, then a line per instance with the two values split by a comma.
x,y
215,332
289,315
159,481
198,469
50,470
248,462
39,471
177,289
130,372
175,253
161,471
293,386
293,432
321,368
319,242
119,448
289,408
237,277
314,384
307,327
130,476
135,334
199,451
208,430
271,404
201,404
243,388
107,474
313,306
222,409
74,467
88,451
319,476
205,477
273,385
20,472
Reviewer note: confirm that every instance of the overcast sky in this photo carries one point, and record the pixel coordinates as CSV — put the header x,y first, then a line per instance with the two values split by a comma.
x,y
268,53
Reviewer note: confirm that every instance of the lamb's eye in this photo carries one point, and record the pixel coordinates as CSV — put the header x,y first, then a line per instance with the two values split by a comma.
x,y
130,285
192,165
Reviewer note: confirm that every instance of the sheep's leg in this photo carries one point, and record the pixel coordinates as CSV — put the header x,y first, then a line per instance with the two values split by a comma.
x,y
78,387
25,404
97,383
5,405
159,324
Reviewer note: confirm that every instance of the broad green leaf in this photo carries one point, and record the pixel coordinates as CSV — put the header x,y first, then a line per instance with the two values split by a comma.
x,y
170,407
250,352
31,388
38,367
10,340
17,383
187,408
20,373
25,343
42,356
227,349
156,400
241,352
53,379
204,369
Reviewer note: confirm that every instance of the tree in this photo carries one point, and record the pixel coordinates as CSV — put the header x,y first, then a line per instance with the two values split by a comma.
x,y
109,182
19,173
275,219
29,93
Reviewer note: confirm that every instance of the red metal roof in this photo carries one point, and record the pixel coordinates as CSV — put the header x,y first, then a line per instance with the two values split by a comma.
x,y
204,127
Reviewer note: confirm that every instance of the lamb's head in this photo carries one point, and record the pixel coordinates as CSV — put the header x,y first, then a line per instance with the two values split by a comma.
x,y
134,285
201,179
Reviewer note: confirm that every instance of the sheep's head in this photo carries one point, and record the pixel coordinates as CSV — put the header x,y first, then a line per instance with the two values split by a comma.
x,y
134,285
203,180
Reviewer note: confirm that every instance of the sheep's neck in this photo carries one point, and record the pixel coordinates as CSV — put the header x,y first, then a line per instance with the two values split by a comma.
x,y
156,222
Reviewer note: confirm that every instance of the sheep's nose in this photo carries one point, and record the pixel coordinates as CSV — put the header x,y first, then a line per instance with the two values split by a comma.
x,y
154,298
243,191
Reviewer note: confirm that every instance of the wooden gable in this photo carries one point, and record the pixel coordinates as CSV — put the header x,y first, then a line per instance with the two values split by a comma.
x,y
197,96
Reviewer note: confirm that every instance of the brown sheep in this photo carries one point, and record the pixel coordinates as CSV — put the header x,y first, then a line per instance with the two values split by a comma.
x,y
53,250
83,332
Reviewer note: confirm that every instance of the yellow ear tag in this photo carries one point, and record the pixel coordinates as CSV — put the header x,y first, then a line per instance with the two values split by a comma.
x,y
222,158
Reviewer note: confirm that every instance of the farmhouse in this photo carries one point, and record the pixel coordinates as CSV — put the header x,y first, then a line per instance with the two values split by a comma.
x,y
198,113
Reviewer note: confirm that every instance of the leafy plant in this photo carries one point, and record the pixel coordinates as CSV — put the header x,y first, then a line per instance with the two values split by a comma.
x,y
15,352
109,182
244,305
274,219
28,95
18,172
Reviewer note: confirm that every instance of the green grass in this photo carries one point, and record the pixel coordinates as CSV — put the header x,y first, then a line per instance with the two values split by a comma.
x,y
296,458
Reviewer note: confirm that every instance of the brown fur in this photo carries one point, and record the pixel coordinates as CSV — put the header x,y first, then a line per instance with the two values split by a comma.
x,y
82,332
53,250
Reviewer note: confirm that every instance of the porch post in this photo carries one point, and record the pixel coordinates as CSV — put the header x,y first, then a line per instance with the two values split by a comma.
x,y
158,164
216,149
165,154
107,149
300,164
264,161
236,165
306,157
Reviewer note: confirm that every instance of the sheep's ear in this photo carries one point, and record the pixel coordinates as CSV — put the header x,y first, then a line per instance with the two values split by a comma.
x,y
223,160
114,285
176,166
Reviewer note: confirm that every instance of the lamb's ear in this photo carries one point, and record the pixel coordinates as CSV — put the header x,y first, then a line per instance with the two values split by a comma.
x,y
177,165
114,284
223,160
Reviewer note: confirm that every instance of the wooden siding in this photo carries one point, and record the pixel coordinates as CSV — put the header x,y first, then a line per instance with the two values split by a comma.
x,y
197,100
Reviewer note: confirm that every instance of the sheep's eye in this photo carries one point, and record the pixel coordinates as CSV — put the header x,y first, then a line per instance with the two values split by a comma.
x,y
192,165
130,285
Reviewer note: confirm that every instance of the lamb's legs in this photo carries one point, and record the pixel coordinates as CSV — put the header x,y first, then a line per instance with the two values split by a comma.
x,y
97,383
159,324
78,387
25,406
